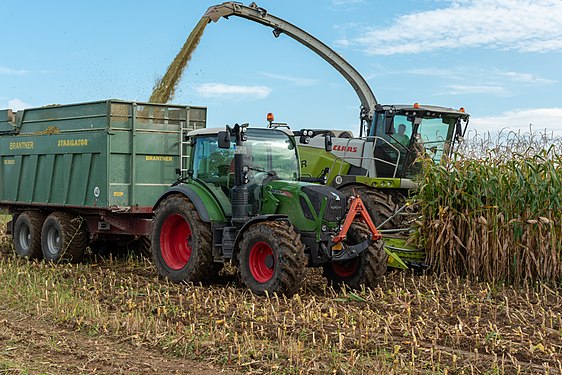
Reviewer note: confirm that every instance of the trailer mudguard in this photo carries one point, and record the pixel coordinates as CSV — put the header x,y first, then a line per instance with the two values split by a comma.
x,y
207,206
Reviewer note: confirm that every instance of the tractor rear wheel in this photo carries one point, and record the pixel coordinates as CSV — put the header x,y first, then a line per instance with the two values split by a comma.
x,y
379,204
367,269
27,234
182,243
63,237
271,258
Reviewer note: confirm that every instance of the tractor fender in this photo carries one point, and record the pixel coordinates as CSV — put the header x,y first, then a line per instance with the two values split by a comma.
x,y
258,219
206,205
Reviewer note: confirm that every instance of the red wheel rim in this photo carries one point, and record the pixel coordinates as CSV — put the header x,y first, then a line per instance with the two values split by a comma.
x,y
175,242
346,269
261,256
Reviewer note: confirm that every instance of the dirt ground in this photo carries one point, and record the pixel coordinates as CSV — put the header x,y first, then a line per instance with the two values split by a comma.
x,y
35,346
116,316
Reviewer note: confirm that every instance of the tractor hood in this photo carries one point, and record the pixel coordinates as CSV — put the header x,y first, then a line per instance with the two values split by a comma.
x,y
317,202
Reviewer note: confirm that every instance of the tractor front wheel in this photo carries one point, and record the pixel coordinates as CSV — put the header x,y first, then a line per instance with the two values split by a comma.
x,y
181,242
367,269
271,258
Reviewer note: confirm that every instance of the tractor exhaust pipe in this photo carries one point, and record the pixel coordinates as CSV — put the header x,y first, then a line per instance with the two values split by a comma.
x,y
239,192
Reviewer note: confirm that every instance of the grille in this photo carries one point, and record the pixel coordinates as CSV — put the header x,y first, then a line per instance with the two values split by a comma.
x,y
336,204
305,208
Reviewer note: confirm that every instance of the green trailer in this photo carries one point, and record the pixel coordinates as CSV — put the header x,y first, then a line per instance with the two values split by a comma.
x,y
84,174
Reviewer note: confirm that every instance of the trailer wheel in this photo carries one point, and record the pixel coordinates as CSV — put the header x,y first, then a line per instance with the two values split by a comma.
x,y
182,243
367,269
271,258
27,234
63,237
143,246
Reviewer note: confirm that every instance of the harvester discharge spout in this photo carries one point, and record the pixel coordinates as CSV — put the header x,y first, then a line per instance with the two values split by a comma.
x,y
257,14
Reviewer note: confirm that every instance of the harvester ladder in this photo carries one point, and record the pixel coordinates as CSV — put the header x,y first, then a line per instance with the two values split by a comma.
x,y
184,146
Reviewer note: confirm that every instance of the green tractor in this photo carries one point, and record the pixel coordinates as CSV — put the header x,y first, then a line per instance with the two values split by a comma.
x,y
240,199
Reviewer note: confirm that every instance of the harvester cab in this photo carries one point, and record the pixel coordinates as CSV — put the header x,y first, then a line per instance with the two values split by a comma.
x,y
243,202
398,137
403,134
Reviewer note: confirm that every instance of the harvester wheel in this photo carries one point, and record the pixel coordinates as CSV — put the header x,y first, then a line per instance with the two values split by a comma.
x,y
271,258
367,269
182,242
64,237
27,234
380,205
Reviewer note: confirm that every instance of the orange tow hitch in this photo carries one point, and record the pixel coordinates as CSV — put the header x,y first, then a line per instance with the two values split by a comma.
x,y
357,208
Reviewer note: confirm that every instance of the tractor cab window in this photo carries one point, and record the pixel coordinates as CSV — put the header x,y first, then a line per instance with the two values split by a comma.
x,y
273,152
266,152
209,161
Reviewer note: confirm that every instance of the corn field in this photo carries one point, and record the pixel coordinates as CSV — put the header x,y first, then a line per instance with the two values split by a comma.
x,y
493,212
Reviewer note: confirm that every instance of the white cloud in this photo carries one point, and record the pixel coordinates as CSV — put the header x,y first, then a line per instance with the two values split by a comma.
x,y
470,74
17,104
475,89
10,71
433,72
475,80
299,81
526,78
541,119
210,90
519,25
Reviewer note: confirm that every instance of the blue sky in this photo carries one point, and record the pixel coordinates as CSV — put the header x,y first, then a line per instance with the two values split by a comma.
x,y
499,59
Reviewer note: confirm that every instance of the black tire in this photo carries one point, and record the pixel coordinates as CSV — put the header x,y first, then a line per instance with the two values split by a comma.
x,y
271,258
27,234
379,204
122,247
101,248
182,242
107,247
143,246
367,269
64,237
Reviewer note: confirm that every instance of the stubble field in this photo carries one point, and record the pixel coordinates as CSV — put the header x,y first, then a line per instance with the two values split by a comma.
x,y
114,315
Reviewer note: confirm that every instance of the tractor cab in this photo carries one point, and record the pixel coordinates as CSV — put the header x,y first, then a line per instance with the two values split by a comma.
x,y
267,154
404,133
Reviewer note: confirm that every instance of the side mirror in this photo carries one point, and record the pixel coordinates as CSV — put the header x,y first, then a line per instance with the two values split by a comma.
x,y
328,142
224,139
304,139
